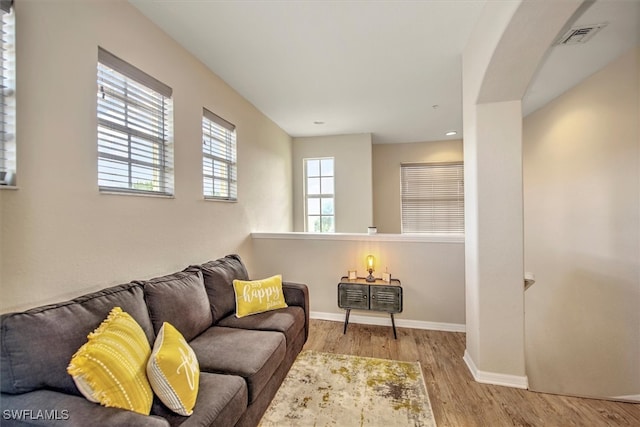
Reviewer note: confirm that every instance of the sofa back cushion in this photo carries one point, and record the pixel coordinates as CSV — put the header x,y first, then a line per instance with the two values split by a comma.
x,y
179,299
218,281
38,344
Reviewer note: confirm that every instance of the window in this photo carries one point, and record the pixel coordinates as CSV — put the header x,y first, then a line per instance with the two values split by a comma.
x,y
319,197
7,95
432,198
135,151
219,169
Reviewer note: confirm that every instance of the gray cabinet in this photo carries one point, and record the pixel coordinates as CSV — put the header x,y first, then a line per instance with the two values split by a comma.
x,y
359,294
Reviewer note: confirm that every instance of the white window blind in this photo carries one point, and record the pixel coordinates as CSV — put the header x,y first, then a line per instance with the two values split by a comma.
x,y
7,95
135,150
219,164
432,198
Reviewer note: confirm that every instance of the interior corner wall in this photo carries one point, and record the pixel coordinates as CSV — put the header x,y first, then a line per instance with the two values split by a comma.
x,y
582,236
60,236
387,159
353,186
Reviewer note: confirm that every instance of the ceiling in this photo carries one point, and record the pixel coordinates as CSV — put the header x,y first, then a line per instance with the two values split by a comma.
x,y
389,68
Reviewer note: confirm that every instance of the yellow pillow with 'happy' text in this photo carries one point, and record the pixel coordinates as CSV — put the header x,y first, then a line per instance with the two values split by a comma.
x,y
258,296
173,371
110,368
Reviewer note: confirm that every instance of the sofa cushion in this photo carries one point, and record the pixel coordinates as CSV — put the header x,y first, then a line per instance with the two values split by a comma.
x,y
38,344
253,355
110,368
222,400
218,280
258,296
180,299
289,321
173,371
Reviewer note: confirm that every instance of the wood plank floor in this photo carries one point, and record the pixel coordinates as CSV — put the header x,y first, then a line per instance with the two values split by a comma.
x,y
457,400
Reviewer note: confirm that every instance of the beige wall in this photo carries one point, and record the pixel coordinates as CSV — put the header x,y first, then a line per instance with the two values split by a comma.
x,y
582,236
60,237
431,273
386,175
352,168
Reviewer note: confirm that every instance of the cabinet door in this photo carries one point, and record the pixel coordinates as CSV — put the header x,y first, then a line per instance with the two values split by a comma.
x,y
352,295
386,298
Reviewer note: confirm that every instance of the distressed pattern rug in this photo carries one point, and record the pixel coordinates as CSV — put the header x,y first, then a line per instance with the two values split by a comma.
x,y
324,389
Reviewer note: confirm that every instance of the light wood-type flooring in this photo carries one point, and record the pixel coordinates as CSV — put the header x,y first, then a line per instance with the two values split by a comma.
x,y
457,400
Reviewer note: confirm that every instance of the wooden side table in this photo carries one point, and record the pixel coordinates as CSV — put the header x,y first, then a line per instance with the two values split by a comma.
x,y
374,296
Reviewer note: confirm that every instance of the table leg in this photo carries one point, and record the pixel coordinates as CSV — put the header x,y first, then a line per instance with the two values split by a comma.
x,y
393,322
346,321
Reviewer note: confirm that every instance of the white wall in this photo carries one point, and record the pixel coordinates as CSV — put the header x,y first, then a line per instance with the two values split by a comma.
x,y
353,187
502,55
432,273
60,237
582,228
386,175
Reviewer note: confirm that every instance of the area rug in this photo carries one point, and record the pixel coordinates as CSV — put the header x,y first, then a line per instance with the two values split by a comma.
x,y
324,389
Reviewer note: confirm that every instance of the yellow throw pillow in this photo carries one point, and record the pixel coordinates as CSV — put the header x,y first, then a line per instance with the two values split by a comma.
x,y
173,371
110,368
258,296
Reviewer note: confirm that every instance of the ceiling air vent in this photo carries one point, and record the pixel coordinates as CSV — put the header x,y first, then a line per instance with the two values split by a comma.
x,y
580,34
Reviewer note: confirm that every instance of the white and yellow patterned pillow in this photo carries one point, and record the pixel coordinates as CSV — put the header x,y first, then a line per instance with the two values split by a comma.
x,y
258,296
110,368
173,371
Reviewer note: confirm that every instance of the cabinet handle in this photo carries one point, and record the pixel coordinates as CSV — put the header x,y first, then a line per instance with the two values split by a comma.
x,y
364,296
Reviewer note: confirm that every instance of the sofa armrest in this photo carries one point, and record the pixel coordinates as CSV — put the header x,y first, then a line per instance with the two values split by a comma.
x,y
52,408
298,294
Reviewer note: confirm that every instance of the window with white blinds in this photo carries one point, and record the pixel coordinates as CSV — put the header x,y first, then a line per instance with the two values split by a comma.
x,y
7,95
135,149
219,165
432,198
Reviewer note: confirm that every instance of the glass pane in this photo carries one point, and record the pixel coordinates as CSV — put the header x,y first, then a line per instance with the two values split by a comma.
x,y
313,167
327,206
326,166
313,206
207,184
327,185
313,224
313,185
327,224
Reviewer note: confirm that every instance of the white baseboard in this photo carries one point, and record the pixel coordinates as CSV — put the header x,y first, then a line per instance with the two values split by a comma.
x,y
386,321
484,377
631,397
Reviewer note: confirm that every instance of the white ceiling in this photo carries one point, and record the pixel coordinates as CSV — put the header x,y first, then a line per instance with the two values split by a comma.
x,y
389,68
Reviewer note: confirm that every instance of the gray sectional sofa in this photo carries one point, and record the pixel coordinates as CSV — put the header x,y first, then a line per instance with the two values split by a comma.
x,y
242,361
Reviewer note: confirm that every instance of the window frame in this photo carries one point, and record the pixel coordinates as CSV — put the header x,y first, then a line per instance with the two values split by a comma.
x,y
8,143
134,129
225,154
444,210
320,195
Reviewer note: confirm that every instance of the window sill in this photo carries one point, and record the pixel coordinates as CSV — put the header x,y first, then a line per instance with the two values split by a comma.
x,y
382,237
214,199
122,193
9,187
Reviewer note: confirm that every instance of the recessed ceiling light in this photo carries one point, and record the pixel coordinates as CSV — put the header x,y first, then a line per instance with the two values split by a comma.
x,y
451,133
318,122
